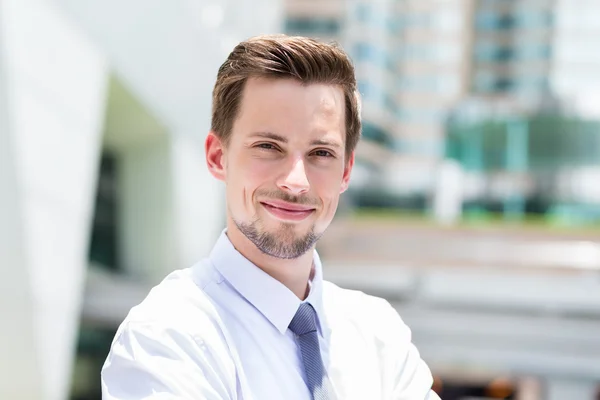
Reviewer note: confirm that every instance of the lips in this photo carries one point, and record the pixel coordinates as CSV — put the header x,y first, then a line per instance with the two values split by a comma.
x,y
288,206
287,211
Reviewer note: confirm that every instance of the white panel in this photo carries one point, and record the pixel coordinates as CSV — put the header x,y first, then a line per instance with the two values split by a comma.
x,y
57,106
19,375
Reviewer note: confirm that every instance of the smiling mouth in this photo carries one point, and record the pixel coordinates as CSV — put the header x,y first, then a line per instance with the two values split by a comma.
x,y
288,211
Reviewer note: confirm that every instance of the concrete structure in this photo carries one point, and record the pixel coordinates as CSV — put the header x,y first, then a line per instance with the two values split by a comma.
x,y
58,63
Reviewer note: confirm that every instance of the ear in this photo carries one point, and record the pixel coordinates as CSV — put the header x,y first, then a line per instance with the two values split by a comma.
x,y
347,171
215,155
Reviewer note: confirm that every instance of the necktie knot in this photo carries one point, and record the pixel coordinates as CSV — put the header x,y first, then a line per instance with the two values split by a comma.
x,y
304,321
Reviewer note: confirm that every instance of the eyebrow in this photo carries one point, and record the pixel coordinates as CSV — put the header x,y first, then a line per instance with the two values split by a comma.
x,y
283,139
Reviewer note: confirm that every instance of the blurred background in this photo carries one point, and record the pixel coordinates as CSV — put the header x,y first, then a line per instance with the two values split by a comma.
x,y
474,205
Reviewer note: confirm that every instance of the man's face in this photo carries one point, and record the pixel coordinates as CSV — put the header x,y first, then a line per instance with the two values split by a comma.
x,y
285,164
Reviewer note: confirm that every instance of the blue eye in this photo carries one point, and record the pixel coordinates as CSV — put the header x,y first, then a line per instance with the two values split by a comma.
x,y
266,146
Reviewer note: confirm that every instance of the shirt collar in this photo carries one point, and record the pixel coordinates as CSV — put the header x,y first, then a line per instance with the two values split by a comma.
x,y
269,296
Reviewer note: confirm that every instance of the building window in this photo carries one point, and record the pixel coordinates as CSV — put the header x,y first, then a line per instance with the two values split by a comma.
x,y
439,84
493,53
312,26
535,20
420,115
368,52
490,52
417,20
490,20
416,52
371,92
494,84
374,133
536,83
372,15
487,20
374,54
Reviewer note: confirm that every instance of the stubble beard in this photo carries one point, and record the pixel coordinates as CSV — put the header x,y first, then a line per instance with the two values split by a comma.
x,y
284,244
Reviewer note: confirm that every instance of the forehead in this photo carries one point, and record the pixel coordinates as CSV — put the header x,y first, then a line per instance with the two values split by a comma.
x,y
289,106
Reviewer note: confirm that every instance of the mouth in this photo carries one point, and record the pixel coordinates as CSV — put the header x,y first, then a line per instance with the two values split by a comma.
x,y
287,211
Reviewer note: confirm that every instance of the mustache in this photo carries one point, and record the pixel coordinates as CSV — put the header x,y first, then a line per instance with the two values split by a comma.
x,y
289,198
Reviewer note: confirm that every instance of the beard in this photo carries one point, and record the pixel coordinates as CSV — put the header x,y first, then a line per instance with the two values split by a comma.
x,y
284,243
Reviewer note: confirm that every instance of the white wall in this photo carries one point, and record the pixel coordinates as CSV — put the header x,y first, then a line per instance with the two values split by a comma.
x,y
55,99
16,337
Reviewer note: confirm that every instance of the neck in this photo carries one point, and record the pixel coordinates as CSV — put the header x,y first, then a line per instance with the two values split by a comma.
x,y
294,273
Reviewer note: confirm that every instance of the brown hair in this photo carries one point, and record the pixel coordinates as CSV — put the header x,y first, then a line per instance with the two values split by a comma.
x,y
284,57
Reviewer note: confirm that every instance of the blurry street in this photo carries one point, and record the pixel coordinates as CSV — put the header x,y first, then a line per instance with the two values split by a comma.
x,y
520,303
407,242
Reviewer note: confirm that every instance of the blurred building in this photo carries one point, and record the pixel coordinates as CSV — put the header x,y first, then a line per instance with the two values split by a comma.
x,y
512,48
323,19
412,60
410,64
421,62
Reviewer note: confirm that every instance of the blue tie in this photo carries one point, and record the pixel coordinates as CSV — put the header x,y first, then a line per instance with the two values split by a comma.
x,y
304,326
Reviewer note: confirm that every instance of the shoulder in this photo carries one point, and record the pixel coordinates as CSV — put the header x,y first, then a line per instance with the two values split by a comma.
x,y
167,302
172,342
179,305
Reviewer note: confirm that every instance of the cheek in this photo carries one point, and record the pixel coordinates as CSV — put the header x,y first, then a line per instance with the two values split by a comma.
x,y
248,176
255,176
329,192
327,185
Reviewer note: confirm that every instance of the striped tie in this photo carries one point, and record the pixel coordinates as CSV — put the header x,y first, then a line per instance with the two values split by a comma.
x,y
304,326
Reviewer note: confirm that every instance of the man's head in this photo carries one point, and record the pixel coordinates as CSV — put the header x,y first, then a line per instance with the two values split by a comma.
x,y
285,124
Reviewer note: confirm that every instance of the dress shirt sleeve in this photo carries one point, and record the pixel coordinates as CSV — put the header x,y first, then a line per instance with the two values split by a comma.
x,y
407,375
147,361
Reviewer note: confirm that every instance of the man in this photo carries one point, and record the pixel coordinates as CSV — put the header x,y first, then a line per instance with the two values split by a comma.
x,y
255,320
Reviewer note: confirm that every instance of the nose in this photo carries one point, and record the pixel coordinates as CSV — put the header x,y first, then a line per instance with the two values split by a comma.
x,y
295,181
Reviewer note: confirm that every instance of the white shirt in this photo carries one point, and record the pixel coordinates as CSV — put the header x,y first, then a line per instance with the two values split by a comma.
x,y
219,330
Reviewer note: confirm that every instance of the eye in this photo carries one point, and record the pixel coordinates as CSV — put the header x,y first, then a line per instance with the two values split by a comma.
x,y
322,153
266,146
